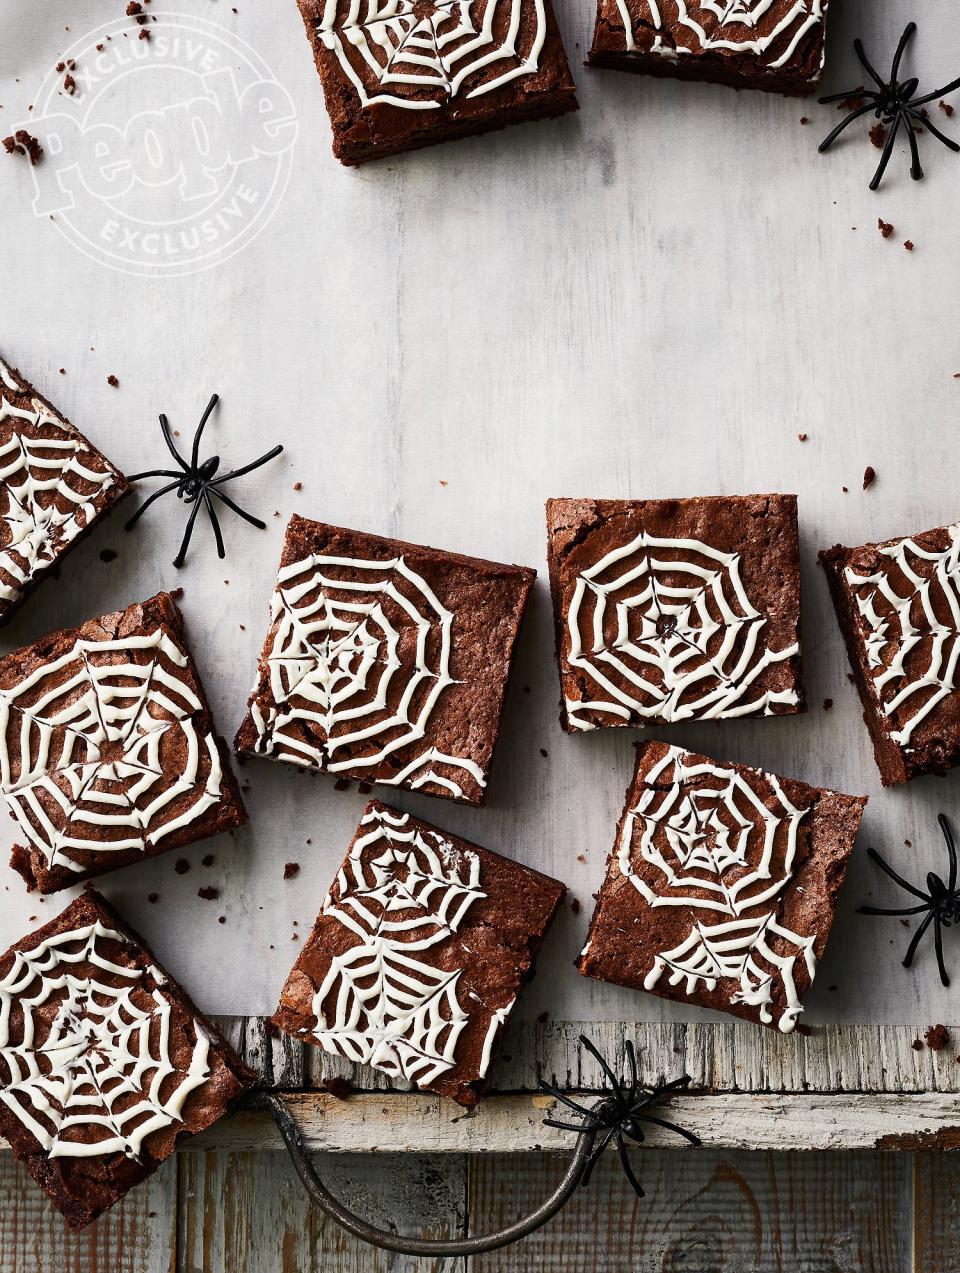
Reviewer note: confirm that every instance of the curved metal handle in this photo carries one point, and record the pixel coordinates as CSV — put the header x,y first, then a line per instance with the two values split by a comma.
x,y
425,1246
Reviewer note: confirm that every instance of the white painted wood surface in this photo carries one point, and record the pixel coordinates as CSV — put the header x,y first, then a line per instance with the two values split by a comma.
x,y
653,298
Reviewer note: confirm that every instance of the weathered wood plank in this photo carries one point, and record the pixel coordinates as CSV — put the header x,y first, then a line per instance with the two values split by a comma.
x,y
138,1235
704,1213
936,1232
248,1213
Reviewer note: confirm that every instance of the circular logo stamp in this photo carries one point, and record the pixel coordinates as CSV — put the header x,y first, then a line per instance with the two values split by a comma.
x,y
173,152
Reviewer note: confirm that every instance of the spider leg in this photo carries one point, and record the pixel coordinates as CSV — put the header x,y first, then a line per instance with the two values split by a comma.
x,y
181,556
865,61
632,1067
171,445
932,128
164,490
908,31
897,879
604,1065
951,851
886,910
247,468
938,944
916,171
565,1100
627,1169
940,92
139,477
247,517
217,533
887,152
680,1131
195,456
565,1127
844,123
915,940
847,94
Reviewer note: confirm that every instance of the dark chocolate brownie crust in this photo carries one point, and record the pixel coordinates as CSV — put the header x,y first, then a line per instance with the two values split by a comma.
x,y
385,661
898,603
372,117
780,50
722,885
54,487
418,955
672,610
108,752
89,976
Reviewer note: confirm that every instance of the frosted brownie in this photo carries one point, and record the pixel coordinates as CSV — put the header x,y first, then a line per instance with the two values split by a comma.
x,y
54,486
722,886
385,661
419,952
675,610
105,1063
108,752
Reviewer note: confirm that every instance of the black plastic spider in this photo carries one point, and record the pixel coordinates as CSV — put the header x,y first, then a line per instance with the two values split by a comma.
x,y
196,483
895,106
618,1115
941,901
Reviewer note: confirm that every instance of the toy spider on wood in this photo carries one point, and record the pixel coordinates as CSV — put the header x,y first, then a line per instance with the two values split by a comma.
x,y
941,902
619,1115
196,483
894,104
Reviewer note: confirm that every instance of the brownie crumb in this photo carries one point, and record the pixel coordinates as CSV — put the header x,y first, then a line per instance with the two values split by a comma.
x,y
208,860
804,120
885,227
338,1087
69,85
298,486
917,1045
827,704
802,437
108,554
947,109
290,870
575,905
112,380
878,135
341,785
544,1017
144,34
153,898
221,919
208,893
908,245
544,753
937,1037
869,476
182,866
23,143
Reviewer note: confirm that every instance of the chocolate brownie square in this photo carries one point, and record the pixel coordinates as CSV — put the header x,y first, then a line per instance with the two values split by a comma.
x,y
54,487
385,661
105,1063
107,750
776,45
675,610
419,952
416,72
722,886
898,603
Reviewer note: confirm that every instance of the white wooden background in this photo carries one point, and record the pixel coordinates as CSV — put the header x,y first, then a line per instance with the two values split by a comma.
x,y
652,298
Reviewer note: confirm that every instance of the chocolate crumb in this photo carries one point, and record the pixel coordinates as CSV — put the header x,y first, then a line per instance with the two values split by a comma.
x,y
544,753
878,135
182,866
337,1086
845,489
885,227
112,380
804,120
917,1045
144,34
575,905
208,893
802,437
827,704
69,85
869,476
544,1017
298,486
23,143
153,898
290,870
937,1037
947,109
108,554
208,860
908,245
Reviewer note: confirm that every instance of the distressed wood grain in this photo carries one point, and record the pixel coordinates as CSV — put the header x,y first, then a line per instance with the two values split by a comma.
x,y
247,1213
707,1213
936,1208
138,1235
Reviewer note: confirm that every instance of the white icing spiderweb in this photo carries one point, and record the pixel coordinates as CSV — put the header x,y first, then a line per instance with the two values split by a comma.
x,y
401,892
89,741
664,629
85,1059
418,54
770,31
48,489
359,659
717,844
910,606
